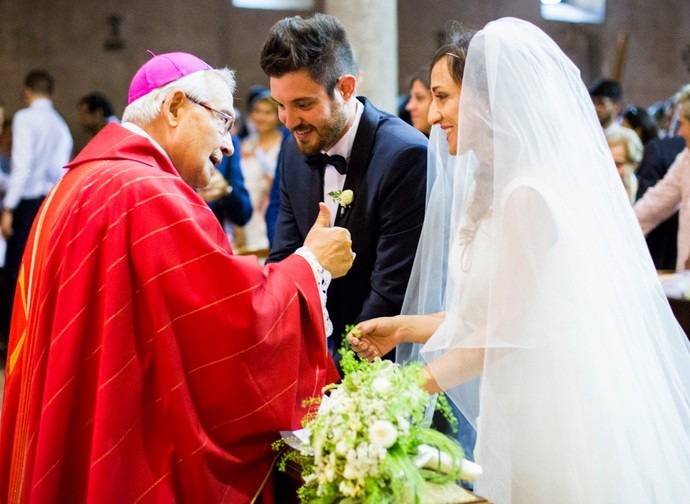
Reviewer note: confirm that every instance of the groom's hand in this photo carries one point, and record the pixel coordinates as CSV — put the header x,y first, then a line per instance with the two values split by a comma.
x,y
332,246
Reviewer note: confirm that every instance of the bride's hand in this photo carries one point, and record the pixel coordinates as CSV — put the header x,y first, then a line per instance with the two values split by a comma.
x,y
376,337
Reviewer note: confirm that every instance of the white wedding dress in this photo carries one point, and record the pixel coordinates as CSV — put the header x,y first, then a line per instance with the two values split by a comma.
x,y
584,394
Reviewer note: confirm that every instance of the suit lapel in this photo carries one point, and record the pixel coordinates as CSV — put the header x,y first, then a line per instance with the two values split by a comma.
x,y
315,192
359,157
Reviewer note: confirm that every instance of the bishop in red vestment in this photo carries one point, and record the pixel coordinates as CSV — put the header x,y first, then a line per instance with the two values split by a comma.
x,y
146,362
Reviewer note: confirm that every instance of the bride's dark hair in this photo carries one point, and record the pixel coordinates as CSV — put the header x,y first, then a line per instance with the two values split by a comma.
x,y
454,50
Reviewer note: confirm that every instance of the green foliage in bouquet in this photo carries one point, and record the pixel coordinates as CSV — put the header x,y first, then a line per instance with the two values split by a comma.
x,y
365,439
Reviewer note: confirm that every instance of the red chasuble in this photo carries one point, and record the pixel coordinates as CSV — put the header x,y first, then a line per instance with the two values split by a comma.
x,y
146,362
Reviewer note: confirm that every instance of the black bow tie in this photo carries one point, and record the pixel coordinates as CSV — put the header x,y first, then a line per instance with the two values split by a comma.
x,y
318,161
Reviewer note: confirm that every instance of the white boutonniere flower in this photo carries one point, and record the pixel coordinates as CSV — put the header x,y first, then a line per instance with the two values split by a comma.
x,y
343,198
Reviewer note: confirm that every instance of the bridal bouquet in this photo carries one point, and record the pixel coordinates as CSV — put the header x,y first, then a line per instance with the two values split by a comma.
x,y
368,442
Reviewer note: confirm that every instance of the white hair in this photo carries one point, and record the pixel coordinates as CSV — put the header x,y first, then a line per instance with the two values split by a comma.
x,y
628,138
195,85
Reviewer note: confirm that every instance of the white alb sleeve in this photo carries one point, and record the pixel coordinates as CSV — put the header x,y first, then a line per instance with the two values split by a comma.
x,y
323,280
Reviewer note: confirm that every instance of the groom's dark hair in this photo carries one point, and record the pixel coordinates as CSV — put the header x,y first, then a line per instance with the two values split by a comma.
x,y
318,44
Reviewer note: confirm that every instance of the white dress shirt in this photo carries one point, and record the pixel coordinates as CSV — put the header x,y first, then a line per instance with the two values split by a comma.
x,y
41,147
332,180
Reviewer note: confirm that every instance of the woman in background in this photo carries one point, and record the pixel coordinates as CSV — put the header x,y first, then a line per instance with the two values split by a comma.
x,y
672,192
626,149
259,158
419,100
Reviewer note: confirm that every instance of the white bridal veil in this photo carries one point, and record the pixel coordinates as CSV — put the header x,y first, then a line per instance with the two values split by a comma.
x,y
585,390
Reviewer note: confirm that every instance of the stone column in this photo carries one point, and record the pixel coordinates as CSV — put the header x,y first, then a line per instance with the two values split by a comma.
x,y
372,28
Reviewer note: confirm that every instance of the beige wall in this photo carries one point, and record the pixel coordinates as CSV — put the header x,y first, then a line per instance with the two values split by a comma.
x,y
66,37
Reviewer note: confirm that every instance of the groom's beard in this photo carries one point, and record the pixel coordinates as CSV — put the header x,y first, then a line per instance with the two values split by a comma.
x,y
327,133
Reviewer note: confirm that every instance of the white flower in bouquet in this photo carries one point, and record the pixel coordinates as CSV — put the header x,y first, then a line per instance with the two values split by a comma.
x,y
403,425
380,385
342,448
383,433
328,475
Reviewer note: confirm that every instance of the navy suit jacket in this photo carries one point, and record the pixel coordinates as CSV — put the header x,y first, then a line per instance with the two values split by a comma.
x,y
387,173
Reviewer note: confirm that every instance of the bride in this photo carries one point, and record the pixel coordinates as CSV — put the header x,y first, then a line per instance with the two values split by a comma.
x,y
540,310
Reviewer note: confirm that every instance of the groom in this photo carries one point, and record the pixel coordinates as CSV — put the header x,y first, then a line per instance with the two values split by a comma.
x,y
376,156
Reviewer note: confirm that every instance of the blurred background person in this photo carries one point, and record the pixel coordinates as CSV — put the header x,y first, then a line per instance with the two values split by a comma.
x,y
95,112
419,100
5,165
658,157
5,153
665,116
672,192
244,123
260,151
5,289
639,120
226,194
41,147
606,96
5,148
626,149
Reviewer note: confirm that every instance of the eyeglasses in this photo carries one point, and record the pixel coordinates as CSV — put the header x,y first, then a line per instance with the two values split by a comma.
x,y
225,121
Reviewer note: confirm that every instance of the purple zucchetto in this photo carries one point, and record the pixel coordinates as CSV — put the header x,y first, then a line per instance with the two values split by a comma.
x,y
162,69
